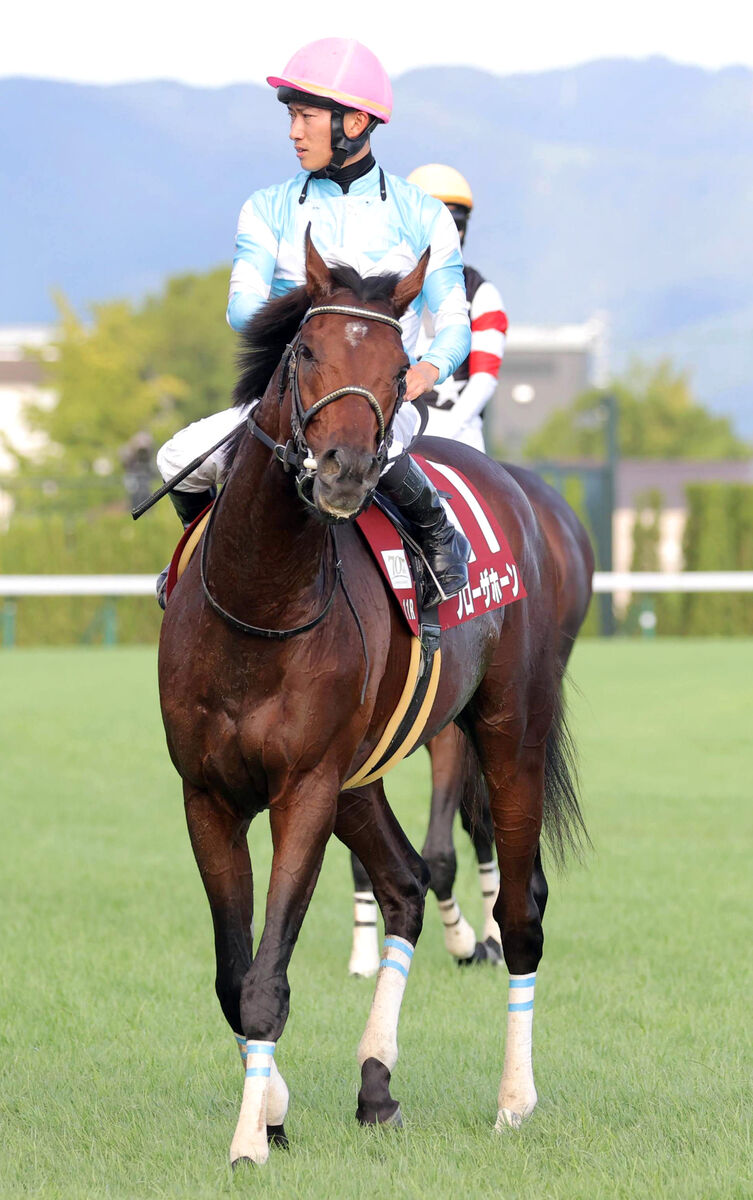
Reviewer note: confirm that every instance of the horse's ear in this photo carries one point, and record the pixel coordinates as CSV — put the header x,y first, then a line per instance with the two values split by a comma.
x,y
318,278
409,287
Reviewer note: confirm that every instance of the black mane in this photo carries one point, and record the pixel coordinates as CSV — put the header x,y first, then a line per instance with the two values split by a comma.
x,y
266,335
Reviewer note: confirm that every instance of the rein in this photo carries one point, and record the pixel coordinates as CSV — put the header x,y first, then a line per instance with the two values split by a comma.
x,y
279,635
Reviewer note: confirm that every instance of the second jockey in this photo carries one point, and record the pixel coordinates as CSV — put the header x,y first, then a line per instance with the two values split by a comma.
x,y
457,405
336,93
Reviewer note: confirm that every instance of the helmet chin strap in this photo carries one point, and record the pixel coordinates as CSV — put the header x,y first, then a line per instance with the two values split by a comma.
x,y
344,147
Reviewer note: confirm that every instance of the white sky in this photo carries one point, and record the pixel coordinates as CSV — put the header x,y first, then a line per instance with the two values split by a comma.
x,y
231,41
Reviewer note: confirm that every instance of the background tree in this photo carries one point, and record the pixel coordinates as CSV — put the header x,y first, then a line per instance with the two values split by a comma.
x,y
658,418
145,369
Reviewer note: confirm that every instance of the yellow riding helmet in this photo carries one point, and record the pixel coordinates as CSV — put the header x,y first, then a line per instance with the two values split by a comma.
x,y
444,182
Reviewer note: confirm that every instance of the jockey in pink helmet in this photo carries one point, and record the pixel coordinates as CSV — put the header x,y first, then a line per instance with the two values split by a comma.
x,y
336,93
343,76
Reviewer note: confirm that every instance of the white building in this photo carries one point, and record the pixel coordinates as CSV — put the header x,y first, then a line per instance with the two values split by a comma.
x,y
23,349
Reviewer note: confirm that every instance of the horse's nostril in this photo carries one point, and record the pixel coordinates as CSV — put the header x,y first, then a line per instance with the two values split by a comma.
x,y
329,464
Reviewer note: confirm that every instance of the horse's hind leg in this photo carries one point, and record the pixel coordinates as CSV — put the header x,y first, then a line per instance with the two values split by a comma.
x,y
447,781
477,823
366,825
364,954
218,838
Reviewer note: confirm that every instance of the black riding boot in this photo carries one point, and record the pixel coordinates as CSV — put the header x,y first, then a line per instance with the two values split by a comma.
x,y
446,549
188,506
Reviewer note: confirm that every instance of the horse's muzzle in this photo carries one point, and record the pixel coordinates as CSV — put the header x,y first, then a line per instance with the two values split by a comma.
x,y
345,479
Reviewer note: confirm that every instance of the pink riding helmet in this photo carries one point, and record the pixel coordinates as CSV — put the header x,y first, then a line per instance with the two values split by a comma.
x,y
342,70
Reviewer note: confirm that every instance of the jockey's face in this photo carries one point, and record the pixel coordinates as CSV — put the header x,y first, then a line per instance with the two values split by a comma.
x,y
310,133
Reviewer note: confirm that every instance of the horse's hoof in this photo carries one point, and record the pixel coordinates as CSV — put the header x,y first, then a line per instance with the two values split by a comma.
x,y
508,1118
396,1120
237,1162
480,955
375,1104
276,1136
494,952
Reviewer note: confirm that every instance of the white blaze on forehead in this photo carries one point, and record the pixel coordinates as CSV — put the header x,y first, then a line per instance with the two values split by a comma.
x,y
355,331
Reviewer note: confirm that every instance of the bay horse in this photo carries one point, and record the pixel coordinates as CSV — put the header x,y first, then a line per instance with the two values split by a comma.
x,y
282,659
452,791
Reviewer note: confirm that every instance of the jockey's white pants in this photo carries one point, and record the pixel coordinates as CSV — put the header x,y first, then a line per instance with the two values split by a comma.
x,y
190,442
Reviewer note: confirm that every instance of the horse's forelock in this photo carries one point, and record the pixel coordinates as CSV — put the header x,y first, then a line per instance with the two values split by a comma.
x,y
265,336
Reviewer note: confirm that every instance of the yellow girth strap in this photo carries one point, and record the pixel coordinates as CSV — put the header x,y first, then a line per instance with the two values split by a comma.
x,y
367,774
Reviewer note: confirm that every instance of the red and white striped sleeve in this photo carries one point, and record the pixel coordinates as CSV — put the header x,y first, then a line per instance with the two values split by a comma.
x,y
488,329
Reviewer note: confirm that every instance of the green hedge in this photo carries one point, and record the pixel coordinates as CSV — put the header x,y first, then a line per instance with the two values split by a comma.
x,y
718,537
100,543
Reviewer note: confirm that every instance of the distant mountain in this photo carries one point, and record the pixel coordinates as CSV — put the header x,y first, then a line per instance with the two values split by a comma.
x,y
619,185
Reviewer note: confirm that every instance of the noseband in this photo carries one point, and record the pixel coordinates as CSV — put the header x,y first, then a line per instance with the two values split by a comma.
x,y
296,455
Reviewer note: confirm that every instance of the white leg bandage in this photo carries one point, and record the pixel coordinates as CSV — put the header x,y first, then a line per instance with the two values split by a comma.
x,y
488,877
364,955
459,937
250,1139
517,1093
379,1039
278,1096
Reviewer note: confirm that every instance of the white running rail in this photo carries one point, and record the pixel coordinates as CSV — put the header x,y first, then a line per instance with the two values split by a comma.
x,y
604,581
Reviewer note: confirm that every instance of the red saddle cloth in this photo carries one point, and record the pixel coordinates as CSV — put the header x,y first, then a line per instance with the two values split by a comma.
x,y
493,576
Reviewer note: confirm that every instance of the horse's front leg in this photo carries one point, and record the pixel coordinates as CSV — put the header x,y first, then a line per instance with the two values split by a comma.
x,y
218,838
366,824
302,821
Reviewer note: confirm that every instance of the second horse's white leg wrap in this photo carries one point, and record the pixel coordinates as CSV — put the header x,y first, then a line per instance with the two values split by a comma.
x,y
459,937
517,1093
488,877
379,1039
364,956
250,1139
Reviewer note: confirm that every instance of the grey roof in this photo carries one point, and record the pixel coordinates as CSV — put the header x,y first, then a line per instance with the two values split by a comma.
x,y
671,476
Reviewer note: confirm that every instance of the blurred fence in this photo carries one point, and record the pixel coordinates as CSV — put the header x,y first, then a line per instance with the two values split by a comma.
x,y
112,590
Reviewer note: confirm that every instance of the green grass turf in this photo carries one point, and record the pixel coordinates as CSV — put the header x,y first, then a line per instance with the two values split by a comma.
x,y
118,1076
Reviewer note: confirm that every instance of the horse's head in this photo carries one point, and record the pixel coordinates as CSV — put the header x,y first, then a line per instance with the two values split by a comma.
x,y
349,374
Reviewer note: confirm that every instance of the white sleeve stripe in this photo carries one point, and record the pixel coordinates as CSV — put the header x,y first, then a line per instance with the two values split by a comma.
x,y
251,225
452,311
491,341
246,278
486,300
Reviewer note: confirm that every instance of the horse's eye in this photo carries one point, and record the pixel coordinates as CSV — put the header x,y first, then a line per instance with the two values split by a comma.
x,y
305,352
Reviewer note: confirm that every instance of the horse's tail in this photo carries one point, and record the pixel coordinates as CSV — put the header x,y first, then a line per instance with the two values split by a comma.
x,y
564,828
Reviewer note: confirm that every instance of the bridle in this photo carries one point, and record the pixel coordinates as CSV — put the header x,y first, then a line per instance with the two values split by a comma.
x,y
296,455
